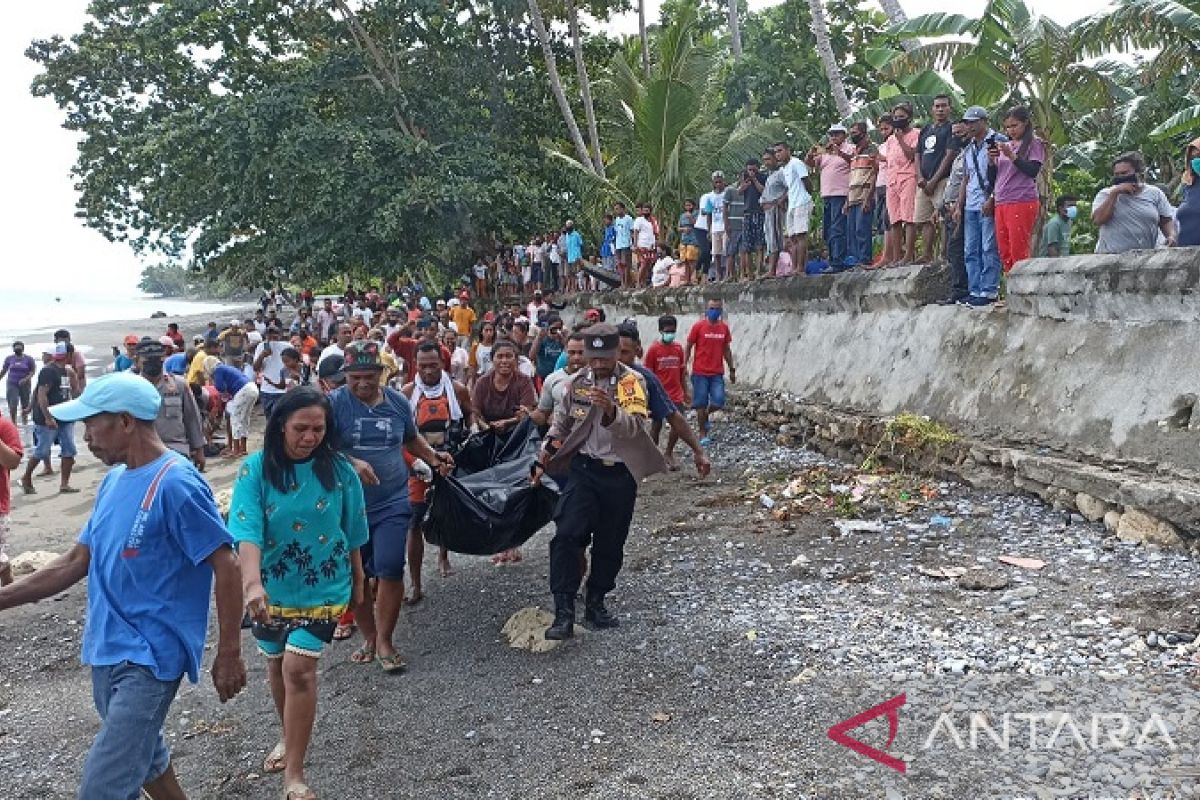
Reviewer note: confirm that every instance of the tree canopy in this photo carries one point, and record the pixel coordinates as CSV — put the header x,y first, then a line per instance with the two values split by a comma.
x,y
259,141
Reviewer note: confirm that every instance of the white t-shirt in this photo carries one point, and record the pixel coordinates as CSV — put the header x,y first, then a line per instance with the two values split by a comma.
x,y
365,314
662,271
532,311
458,364
794,173
643,233
712,203
481,271
272,365
525,367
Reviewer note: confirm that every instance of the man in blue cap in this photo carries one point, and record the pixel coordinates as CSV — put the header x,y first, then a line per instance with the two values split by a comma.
x,y
150,552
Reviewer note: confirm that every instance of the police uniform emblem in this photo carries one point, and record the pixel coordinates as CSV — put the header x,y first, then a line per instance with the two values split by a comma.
x,y
598,343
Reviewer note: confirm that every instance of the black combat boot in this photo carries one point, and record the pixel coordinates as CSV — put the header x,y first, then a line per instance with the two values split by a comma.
x,y
596,615
564,617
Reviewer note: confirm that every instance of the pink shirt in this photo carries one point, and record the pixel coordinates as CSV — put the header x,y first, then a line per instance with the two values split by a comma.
x,y
881,175
901,169
835,173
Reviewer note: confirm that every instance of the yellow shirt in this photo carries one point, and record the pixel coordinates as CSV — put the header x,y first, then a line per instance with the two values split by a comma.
x,y
391,368
463,317
195,373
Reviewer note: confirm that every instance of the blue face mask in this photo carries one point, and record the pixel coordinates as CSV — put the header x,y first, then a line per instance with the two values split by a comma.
x,y
1072,212
668,337
713,314
1196,165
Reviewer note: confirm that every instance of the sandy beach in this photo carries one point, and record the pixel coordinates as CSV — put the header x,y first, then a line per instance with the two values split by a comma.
x,y
96,339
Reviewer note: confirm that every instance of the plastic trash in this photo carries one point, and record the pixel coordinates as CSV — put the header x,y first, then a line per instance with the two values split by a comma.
x,y
487,505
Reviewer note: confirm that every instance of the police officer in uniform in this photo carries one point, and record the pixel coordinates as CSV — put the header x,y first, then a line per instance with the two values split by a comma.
x,y
180,424
599,436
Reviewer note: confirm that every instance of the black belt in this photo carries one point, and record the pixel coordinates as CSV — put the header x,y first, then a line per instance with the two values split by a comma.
x,y
604,463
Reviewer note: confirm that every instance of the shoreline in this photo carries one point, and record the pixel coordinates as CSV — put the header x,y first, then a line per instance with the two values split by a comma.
x,y
96,339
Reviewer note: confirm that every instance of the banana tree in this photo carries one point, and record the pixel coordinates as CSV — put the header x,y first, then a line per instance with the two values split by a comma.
x,y
665,137
1009,55
1170,27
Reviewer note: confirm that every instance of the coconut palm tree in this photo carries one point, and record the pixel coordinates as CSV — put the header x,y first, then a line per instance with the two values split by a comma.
x,y
666,137
833,69
556,85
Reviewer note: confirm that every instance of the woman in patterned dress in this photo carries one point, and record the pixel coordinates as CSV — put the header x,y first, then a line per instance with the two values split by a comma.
x,y
299,518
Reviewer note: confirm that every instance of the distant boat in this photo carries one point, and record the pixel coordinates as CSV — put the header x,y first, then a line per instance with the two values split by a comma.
x,y
58,299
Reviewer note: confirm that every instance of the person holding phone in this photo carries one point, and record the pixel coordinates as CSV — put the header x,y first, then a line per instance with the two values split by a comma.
x,y
975,211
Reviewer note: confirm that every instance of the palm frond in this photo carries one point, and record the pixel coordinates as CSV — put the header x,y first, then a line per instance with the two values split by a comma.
x,y
1181,122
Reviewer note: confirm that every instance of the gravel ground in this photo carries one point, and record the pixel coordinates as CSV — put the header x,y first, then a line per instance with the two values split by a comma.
x,y
745,636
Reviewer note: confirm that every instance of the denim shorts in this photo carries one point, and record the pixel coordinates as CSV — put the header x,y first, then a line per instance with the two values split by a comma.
x,y
385,551
708,391
129,750
45,437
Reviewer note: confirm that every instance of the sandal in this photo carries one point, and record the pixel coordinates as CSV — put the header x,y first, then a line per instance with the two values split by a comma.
x,y
298,791
67,490
343,631
393,663
276,760
365,654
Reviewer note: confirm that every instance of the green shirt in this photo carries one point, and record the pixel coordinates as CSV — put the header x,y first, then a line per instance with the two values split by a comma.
x,y
306,535
1056,231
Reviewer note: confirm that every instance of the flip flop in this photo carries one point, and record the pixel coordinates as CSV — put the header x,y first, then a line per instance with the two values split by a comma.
x,y
276,760
68,490
298,791
27,488
392,664
343,632
365,654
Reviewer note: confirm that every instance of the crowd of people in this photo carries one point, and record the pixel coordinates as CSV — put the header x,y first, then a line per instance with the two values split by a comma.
x,y
953,189
364,400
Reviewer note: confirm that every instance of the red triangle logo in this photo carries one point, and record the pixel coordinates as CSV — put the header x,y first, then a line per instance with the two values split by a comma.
x,y
891,708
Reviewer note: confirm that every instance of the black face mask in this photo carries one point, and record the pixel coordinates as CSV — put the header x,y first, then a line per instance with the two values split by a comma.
x,y
1118,180
857,138
900,122
152,367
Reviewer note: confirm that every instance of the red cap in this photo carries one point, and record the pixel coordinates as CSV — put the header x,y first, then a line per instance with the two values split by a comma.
x,y
132,339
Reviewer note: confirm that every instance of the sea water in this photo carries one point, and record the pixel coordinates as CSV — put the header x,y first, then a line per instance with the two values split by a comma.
x,y
36,314
42,311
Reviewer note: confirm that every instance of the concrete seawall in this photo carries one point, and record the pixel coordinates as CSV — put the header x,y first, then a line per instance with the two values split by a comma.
x,y
1093,363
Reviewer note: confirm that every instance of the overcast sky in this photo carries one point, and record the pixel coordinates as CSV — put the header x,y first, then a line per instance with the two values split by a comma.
x,y
45,245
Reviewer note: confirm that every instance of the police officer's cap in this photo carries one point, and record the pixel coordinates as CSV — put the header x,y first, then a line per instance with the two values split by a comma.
x,y
601,341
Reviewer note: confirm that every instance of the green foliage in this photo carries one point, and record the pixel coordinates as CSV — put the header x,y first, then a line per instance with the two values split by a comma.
x,y
667,134
261,140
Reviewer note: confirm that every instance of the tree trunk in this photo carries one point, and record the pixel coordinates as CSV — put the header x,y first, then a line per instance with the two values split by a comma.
x,y
895,15
828,59
642,36
539,25
735,31
585,88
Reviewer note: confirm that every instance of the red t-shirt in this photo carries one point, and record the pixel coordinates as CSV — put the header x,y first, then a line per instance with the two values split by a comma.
x,y
11,437
405,349
708,340
666,362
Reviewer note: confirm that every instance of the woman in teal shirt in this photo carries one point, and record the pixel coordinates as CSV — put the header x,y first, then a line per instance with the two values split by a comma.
x,y
299,518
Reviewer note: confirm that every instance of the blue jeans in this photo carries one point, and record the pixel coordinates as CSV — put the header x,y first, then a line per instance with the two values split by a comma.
x,y
858,235
981,254
834,229
129,751
708,391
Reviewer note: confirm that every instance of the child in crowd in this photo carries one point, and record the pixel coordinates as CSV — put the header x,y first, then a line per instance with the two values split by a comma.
x,y
660,273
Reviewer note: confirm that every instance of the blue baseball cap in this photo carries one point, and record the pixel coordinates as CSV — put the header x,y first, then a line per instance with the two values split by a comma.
x,y
114,393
